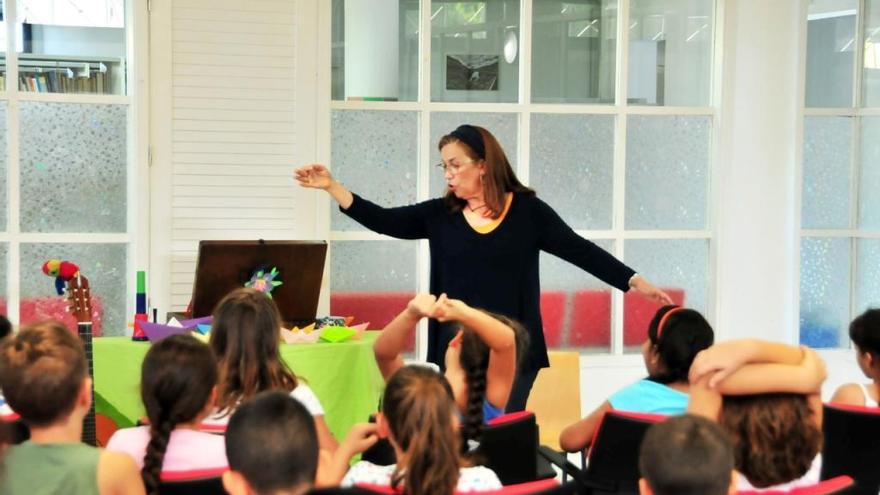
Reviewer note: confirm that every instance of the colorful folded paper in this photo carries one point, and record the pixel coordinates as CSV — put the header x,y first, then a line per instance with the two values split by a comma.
x,y
158,331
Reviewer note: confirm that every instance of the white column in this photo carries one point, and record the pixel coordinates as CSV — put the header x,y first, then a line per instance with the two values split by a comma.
x,y
757,235
371,48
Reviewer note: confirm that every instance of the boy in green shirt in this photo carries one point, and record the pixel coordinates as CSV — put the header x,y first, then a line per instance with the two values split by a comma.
x,y
44,377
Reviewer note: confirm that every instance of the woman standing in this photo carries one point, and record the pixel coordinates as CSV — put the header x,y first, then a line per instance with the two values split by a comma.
x,y
485,236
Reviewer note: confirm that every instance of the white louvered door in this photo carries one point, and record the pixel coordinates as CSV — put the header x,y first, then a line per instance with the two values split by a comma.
x,y
232,112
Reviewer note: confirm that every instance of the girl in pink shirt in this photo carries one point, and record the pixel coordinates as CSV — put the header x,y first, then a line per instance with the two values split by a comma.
x,y
178,387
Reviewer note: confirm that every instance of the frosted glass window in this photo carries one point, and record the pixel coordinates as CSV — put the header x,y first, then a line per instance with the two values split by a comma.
x,y
831,30
572,165
678,266
105,267
667,172
670,52
827,172
375,154
375,50
871,62
3,45
575,306
475,51
869,174
4,198
373,280
867,275
824,292
72,46
504,126
574,51
73,167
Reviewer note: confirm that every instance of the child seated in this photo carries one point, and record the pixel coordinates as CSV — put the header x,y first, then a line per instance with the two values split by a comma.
x,y
675,336
686,455
865,334
245,336
766,397
480,361
178,387
272,446
420,419
44,375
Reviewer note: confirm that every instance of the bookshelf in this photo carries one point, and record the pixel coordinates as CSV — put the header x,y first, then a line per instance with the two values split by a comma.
x,y
38,73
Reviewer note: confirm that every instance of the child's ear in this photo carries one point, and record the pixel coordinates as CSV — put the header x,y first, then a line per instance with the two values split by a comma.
x,y
85,393
382,424
644,488
235,484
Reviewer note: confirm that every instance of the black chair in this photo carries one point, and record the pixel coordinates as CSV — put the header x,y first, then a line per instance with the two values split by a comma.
x,y
613,463
13,430
197,482
851,447
509,446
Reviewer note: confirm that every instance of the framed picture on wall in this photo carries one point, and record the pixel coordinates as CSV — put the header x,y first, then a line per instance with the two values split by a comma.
x,y
472,72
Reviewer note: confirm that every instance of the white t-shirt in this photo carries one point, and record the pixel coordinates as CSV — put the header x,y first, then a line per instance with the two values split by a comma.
x,y
471,479
187,449
302,393
810,478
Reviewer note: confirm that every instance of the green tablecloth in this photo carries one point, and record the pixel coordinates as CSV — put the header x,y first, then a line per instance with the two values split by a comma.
x,y
343,376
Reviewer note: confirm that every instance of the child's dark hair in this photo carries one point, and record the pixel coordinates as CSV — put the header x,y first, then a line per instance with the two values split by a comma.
x,y
5,326
865,332
177,377
42,369
245,335
775,437
419,407
686,455
474,358
683,334
271,440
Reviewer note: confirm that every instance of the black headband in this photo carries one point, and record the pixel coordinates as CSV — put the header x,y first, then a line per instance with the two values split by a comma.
x,y
470,136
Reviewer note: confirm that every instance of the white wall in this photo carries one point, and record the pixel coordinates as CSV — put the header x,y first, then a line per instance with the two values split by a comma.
x,y
78,41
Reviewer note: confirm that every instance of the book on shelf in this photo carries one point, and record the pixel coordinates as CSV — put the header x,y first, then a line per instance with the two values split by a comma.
x,y
60,81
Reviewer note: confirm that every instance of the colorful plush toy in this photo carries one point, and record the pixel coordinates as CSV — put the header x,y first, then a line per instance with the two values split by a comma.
x,y
62,271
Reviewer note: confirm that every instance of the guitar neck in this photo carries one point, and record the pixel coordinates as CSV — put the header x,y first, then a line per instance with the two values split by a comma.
x,y
84,330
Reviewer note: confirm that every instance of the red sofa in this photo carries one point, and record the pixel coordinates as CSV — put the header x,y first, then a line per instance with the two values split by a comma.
x,y
571,320
44,308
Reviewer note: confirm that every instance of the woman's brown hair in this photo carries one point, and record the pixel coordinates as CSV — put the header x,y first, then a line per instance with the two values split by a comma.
x,y
419,407
499,177
245,335
177,377
775,436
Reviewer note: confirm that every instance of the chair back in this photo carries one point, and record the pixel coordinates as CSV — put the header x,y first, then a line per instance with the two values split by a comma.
x,y
12,429
556,396
839,484
195,482
614,454
509,446
539,487
850,446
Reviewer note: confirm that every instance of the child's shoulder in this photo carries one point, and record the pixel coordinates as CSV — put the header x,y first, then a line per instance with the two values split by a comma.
x,y
849,393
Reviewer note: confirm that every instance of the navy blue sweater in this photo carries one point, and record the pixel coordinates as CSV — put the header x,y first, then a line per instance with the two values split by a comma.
x,y
497,271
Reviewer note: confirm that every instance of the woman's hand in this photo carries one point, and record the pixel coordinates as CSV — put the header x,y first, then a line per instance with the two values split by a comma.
x,y
315,176
422,305
647,290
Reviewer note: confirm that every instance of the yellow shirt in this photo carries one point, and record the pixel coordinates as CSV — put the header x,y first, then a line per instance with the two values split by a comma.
x,y
489,227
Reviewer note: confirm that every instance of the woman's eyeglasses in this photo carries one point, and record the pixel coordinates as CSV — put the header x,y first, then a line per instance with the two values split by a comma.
x,y
455,167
